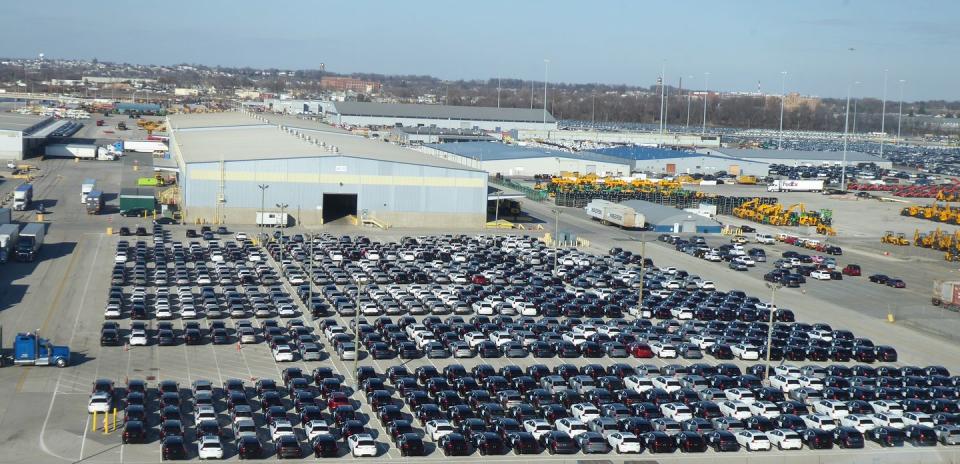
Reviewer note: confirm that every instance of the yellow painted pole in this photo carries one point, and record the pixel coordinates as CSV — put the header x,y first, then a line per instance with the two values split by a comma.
x,y
93,423
106,422
114,419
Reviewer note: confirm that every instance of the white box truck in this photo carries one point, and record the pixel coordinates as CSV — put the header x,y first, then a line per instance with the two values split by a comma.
x,y
272,219
31,239
609,212
789,185
22,197
144,146
86,187
8,239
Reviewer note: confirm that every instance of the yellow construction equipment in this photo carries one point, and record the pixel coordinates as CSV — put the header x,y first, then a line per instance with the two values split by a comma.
x,y
150,126
747,180
894,239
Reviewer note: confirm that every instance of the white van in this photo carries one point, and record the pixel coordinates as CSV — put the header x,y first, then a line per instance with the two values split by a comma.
x,y
765,238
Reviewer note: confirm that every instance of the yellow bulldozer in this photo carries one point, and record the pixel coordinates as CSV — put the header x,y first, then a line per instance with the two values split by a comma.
x,y
894,239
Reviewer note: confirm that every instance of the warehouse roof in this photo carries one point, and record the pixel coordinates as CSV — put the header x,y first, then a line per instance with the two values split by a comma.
x,y
655,213
468,113
224,136
495,151
786,155
20,122
637,152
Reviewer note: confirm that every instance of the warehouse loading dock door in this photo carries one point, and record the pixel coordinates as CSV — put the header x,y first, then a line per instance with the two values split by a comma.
x,y
338,206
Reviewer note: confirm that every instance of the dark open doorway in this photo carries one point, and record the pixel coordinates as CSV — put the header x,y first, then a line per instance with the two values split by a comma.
x,y
338,206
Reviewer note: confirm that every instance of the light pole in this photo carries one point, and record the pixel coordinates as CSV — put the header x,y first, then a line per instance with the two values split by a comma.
x,y
706,93
263,192
546,69
900,111
309,239
883,113
783,96
496,212
556,238
663,86
689,100
846,128
773,299
643,270
282,207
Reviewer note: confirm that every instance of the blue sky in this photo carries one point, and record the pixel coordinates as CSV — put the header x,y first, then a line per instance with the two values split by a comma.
x,y
738,42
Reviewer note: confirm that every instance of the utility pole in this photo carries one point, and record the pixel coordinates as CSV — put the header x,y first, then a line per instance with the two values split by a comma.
x,y
356,336
883,114
706,93
496,212
546,68
282,207
263,191
663,85
643,270
783,95
498,93
846,137
900,111
773,300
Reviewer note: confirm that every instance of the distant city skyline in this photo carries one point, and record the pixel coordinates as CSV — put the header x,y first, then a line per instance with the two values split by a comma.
x,y
740,43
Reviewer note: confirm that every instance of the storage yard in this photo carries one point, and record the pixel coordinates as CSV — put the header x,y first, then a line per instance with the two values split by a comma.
x,y
167,329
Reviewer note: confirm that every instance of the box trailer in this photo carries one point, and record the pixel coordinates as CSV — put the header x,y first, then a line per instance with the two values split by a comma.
x,y
137,198
272,219
31,239
9,233
946,293
790,185
86,187
609,212
22,197
71,150
144,146
94,202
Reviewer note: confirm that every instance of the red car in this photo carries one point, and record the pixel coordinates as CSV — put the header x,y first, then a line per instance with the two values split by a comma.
x,y
852,270
337,399
479,279
641,350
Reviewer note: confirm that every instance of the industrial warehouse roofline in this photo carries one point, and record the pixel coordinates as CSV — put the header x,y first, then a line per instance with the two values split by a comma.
x,y
496,151
467,113
231,136
777,155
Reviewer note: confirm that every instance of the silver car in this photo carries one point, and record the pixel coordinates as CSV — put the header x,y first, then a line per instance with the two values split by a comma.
x,y
310,352
948,434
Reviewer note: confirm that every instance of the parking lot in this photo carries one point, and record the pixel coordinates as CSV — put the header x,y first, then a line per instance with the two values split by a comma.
x,y
48,406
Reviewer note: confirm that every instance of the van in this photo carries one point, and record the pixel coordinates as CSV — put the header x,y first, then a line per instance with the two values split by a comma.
x,y
765,238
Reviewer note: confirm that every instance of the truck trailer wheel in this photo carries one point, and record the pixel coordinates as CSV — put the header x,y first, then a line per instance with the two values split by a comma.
x,y
61,362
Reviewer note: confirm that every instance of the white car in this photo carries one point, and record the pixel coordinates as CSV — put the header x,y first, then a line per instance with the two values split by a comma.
x,y
820,274
745,260
282,353
862,422
585,412
240,236
735,409
889,406
707,284
745,352
112,312
99,402
286,310
703,341
315,428
766,409
833,408
787,370
785,439
438,428
537,427
204,412
918,418
638,384
572,427
362,444
676,411
819,421
210,447
740,394
280,427
784,383
669,384
138,337
815,383
624,442
663,350
164,313
753,440
887,419
120,258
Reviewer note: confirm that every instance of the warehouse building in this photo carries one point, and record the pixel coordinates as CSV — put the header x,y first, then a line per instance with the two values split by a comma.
x,y
369,114
799,157
673,139
666,162
523,161
420,135
24,135
665,219
318,176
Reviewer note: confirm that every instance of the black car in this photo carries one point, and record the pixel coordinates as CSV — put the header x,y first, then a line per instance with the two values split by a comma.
x,y
109,337
557,442
524,443
410,444
690,442
134,431
659,442
887,436
817,439
920,435
249,448
488,443
133,212
172,448
722,440
325,446
847,437
288,447
454,444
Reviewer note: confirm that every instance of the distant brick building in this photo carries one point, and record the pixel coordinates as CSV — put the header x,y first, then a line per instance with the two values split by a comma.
x,y
349,83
